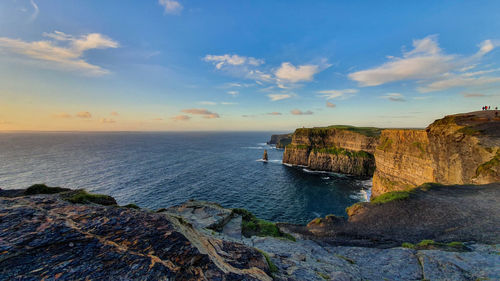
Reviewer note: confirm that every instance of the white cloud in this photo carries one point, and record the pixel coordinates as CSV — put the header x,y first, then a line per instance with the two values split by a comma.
x,y
277,97
290,73
429,65
340,94
232,60
171,6
114,113
394,97
458,81
36,11
228,103
69,57
233,93
331,105
300,112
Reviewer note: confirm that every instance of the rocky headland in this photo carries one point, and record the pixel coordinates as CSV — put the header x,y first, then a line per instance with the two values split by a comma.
x,y
457,149
60,234
341,149
280,140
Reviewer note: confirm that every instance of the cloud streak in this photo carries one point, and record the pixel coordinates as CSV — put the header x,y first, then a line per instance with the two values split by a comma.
x,y
64,52
427,64
394,97
277,97
338,94
171,7
201,111
300,112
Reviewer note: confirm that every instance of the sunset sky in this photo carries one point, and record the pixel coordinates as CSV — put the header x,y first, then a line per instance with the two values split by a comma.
x,y
157,65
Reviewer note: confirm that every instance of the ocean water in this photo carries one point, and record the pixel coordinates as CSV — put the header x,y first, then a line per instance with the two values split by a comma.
x,y
157,170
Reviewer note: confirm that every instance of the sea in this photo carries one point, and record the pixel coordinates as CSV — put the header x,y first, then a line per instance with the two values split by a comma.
x,y
159,170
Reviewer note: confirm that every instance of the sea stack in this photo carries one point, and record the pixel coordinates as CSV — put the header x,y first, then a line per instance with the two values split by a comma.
x,y
264,157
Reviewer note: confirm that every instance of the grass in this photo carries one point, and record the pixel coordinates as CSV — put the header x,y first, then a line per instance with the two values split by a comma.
x,y
83,197
349,260
323,275
469,131
253,226
420,146
431,245
297,146
341,151
44,189
322,131
487,167
385,144
391,196
132,206
272,267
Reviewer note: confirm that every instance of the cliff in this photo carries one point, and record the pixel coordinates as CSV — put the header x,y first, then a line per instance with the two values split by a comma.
x,y
342,149
70,235
457,149
280,140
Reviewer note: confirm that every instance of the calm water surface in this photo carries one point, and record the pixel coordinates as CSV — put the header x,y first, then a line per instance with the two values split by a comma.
x,y
156,170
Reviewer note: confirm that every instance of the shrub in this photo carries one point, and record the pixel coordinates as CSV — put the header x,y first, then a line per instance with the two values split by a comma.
x,y
132,206
83,197
251,225
44,189
391,196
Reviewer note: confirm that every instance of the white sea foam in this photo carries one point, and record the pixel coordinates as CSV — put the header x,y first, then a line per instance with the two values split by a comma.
x,y
269,161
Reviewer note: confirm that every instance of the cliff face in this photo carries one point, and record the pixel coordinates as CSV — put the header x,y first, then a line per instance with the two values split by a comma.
x,y
280,140
458,149
341,149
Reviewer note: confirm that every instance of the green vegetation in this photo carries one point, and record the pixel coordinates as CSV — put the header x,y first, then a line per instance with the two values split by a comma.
x,y
132,206
44,189
391,196
408,245
429,185
349,260
298,146
323,131
272,267
323,275
487,167
431,245
283,142
469,131
251,225
83,197
445,121
385,144
342,151
420,146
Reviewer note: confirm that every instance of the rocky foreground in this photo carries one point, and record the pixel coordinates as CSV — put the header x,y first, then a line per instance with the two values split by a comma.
x,y
72,235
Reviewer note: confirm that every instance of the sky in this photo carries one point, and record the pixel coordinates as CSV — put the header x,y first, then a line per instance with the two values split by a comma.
x,y
182,65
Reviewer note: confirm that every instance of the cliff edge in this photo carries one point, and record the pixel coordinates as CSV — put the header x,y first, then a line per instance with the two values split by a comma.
x,y
457,149
342,149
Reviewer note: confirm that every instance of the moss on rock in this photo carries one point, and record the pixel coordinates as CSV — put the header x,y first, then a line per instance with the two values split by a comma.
x,y
44,189
83,197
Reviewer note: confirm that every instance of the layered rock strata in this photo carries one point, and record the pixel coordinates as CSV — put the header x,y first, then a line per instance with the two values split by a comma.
x,y
458,149
341,149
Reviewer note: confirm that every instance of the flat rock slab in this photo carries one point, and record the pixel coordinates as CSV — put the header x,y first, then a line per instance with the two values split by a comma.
x,y
233,228
202,214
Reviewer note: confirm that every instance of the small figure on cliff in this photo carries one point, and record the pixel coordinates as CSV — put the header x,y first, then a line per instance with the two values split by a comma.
x,y
264,157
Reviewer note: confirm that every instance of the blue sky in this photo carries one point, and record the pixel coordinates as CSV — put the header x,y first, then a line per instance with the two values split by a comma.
x,y
244,65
